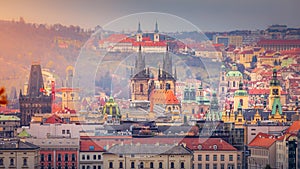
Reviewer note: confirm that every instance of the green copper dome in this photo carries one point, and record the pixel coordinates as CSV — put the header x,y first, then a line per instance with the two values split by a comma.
x,y
111,108
234,73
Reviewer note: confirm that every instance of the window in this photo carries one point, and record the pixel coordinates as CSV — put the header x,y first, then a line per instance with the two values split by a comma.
x,y
11,162
215,157
99,157
206,166
49,157
59,157
83,167
239,157
95,167
172,164
95,157
1,161
199,157
199,166
73,157
230,157
215,166
242,102
233,85
141,88
160,165
91,147
42,157
66,157
222,157
111,165
59,166
63,131
66,165
88,157
121,164
182,165
151,165
83,157
68,131
222,166
141,165
207,157
24,161
132,164
99,166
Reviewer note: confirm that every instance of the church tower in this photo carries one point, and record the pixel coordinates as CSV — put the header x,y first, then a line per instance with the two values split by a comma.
x,y
275,89
156,34
165,77
140,79
240,98
139,35
34,101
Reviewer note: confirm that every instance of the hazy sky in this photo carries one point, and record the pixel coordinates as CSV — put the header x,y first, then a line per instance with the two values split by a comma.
x,y
208,15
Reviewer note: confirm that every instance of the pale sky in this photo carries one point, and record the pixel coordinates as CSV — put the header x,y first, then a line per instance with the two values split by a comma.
x,y
207,15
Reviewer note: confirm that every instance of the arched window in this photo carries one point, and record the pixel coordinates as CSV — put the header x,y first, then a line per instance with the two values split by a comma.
x,y
151,165
111,165
160,165
242,102
141,165
233,85
228,84
132,164
172,164
121,164
182,165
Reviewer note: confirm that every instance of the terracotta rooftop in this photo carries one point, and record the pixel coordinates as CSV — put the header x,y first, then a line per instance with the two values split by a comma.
x,y
262,140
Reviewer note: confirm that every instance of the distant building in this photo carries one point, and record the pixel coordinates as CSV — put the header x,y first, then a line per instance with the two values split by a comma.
x,y
8,126
57,152
230,40
90,155
34,101
213,153
18,154
278,45
147,156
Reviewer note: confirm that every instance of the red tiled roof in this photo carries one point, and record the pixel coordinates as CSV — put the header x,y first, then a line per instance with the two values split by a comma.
x,y
262,91
262,140
54,118
171,98
207,144
294,128
247,52
90,145
150,43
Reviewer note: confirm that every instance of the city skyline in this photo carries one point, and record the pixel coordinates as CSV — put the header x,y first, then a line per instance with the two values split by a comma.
x,y
213,15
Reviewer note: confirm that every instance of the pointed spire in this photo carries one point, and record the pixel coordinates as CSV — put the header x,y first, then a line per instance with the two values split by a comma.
x,y
139,28
156,27
175,73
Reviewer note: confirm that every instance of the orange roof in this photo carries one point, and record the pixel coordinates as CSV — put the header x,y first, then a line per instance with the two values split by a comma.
x,y
171,98
262,140
54,118
294,128
90,145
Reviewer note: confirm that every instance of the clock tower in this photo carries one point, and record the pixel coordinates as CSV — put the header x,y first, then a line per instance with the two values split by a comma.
x,y
275,89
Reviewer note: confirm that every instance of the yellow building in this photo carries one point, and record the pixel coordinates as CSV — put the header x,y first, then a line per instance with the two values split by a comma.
x,y
147,156
241,97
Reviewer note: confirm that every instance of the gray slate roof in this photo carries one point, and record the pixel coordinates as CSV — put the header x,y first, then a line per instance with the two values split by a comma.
x,y
149,149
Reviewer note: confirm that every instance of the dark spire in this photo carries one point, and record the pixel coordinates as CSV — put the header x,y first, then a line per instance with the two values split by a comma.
x,y
139,28
156,27
36,82
140,62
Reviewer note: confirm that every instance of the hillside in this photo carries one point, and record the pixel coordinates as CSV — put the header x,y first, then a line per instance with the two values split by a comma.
x,y
55,47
